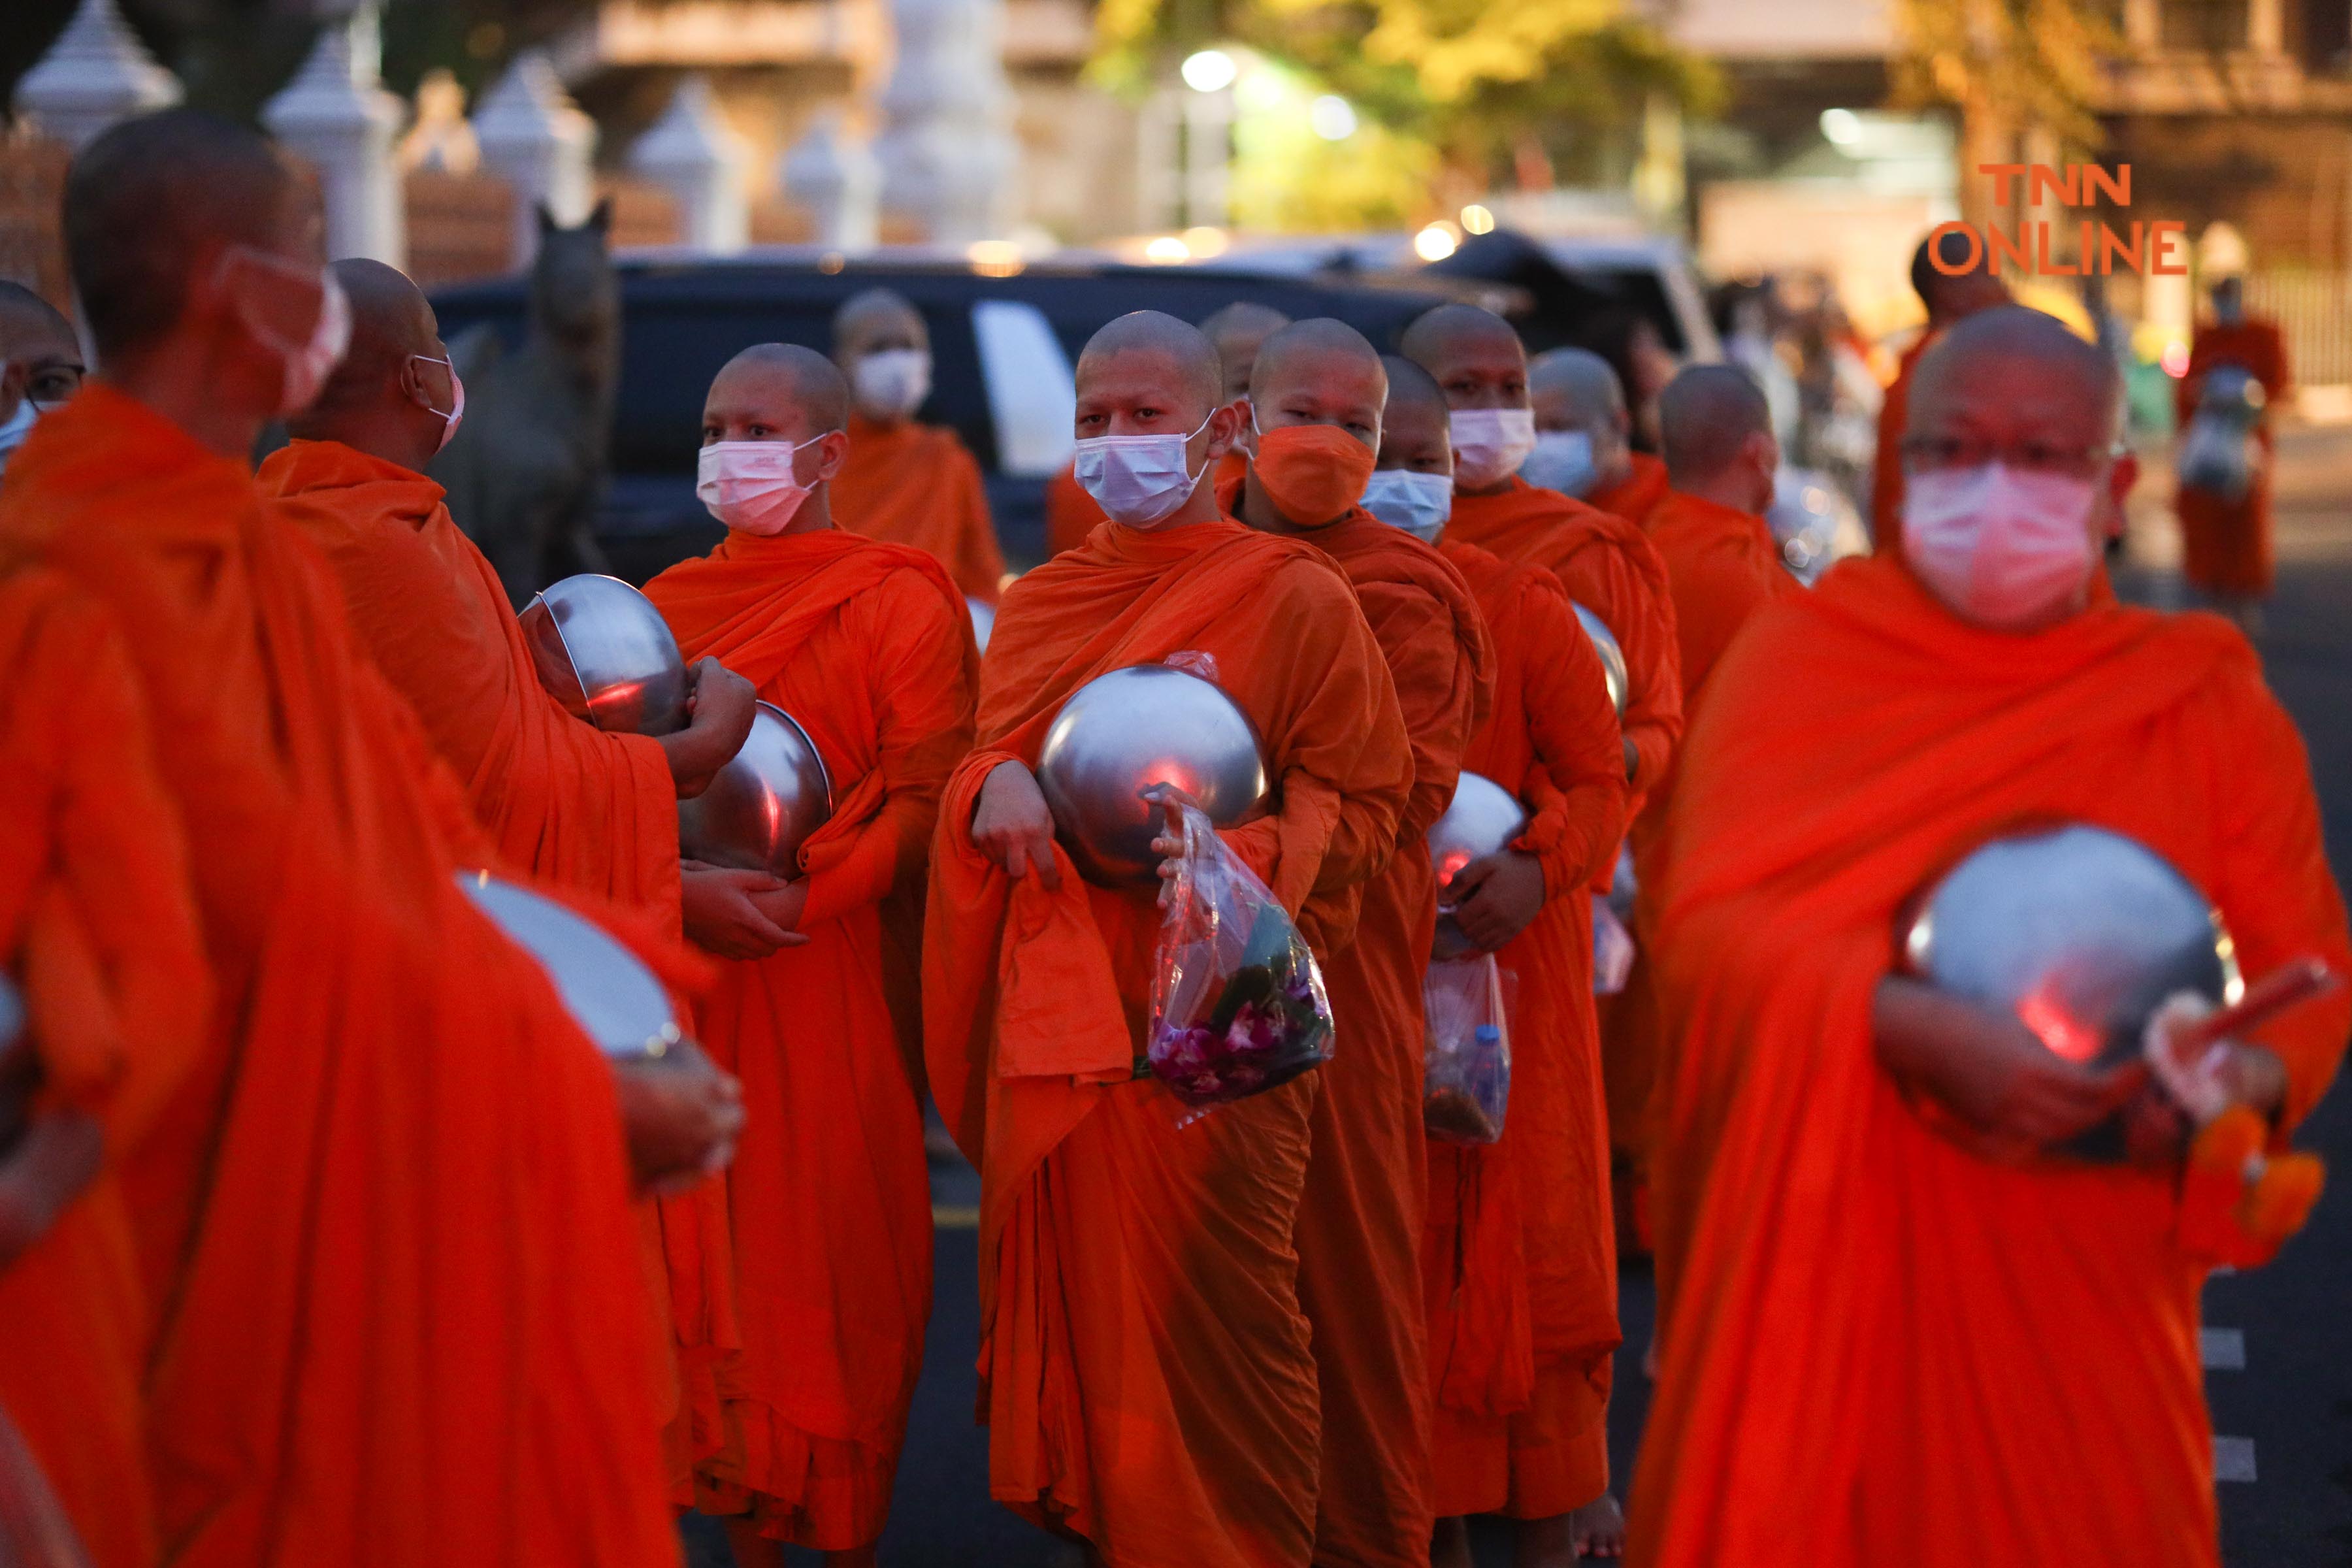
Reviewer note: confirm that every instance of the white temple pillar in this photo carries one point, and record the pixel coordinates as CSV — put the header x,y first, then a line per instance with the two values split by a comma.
x,y
833,177
692,153
534,137
336,114
946,151
97,73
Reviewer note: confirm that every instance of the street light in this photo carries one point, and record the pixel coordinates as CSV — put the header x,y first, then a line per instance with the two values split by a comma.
x,y
1211,71
1841,126
1436,242
1477,220
1331,117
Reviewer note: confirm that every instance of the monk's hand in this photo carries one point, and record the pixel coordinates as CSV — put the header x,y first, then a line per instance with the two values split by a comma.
x,y
1990,1071
56,1157
724,914
718,719
1497,897
783,907
682,1115
1012,825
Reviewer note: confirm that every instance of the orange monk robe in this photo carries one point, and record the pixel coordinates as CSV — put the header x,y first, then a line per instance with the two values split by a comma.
x,y
869,648
1883,1348
1367,1172
1886,471
2227,548
916,484
98,929
1070,512
1637,495
1609,566
1146,1371
1519,1259
387,1212
589,811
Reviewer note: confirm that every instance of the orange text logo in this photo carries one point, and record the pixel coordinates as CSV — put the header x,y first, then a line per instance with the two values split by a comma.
x,y
2158,248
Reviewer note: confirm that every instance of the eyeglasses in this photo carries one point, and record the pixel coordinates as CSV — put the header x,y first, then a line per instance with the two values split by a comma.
x,y
50,385
1927,453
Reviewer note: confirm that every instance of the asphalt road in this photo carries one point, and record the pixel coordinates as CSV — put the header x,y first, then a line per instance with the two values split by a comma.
x,y
2278,1343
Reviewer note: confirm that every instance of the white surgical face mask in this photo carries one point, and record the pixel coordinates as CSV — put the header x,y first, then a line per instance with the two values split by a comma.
x,y
892,383
749,485
2000,547
1138,480
1420,504
1490,445
1562,461
457,414
18,426
311,363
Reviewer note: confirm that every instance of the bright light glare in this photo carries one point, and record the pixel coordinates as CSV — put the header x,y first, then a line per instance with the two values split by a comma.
x,y
994,257
1167,251
1211,71
1476,219
1206,242
1332,116
1842,126
1435,243
2176,360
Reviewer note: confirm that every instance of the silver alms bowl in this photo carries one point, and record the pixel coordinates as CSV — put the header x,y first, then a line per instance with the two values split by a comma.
x,y
608,656
1481,820
1613,658
762,805
2079,931
613,996
1125,732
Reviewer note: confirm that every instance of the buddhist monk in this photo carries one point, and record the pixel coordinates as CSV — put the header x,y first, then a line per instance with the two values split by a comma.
x,y
868,647
1900,1315
1316,393
1518,1262
1146,1372
99,936
40,362
588,811
907,482
1954,277
2227,543
1605,562
384,1217
1721,568
1570,391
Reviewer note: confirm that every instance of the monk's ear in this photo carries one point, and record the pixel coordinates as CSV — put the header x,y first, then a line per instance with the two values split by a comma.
x,y
832,451
1229,428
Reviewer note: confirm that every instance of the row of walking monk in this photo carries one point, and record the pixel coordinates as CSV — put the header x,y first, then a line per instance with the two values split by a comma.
x,y
329,1239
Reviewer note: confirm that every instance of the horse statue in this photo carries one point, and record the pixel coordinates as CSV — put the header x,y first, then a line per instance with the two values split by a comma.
x,y
526,470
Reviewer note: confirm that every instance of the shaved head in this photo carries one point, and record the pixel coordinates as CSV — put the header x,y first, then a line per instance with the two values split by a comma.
x,y
798,388
154,199
27,319
1416,427
1238,333
1709,416
1474,353
1314,347
1574,389
390,322
877,319
40,358
2019,364
1176,355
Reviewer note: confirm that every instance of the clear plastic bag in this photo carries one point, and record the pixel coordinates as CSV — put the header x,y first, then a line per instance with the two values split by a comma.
x,y
1466,1079
1237,999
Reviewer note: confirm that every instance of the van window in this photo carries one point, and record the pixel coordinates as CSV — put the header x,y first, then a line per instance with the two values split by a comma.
x,y
1031,390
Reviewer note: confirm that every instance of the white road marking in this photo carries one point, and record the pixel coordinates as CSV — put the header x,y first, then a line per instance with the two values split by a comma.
x,y
2233,1458
2223,1349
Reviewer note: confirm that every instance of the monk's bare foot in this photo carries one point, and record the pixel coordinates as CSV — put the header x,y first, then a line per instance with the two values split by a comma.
x,y
1544,1543
1449,1546
1599,1528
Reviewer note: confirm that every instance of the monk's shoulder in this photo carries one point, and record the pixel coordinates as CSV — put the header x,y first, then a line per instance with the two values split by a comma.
x,y
1288,573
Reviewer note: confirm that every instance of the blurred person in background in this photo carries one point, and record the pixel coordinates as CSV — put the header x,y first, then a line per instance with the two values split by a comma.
x,y
905,482
1953,288
40,362
2225,532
